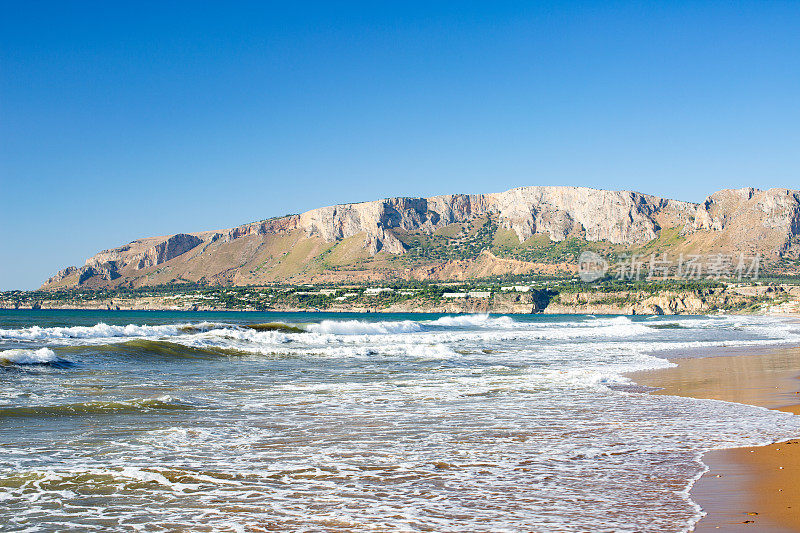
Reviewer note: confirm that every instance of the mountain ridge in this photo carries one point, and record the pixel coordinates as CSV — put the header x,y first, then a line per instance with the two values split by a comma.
x,y
405,237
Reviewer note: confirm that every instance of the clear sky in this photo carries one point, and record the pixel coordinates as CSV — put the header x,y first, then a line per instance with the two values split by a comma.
x,y
123,120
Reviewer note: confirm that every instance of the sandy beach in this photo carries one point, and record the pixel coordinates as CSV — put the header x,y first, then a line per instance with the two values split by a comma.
x,y
745,489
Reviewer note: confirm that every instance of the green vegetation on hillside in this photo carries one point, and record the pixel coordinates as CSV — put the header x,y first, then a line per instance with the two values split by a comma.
x,y
453,242
538,291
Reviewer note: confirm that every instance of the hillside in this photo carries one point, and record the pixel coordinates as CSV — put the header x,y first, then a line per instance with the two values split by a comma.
x,y
462,236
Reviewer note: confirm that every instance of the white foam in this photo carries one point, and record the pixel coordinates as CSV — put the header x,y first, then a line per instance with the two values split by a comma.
x,y
98,331
147,476
521,413
21,356
475,321
361,327
245,335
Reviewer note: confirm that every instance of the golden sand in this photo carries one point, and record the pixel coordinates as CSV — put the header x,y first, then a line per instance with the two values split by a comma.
x,y
745,489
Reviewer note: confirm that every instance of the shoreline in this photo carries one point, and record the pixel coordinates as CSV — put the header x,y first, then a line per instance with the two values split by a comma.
x,y
742,489
749,488
443,310
548,297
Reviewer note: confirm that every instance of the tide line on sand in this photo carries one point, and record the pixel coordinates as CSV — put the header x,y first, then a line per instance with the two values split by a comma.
x,y
744,489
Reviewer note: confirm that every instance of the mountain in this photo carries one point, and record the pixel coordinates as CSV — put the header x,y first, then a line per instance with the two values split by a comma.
x,y
460,236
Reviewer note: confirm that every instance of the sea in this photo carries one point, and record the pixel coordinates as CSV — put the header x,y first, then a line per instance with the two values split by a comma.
x,y
201,421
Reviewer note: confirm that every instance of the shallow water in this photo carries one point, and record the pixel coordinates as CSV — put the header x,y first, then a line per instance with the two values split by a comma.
x,y
157,421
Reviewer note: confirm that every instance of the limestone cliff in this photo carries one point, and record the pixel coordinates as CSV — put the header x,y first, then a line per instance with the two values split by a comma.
x,y
759,221
335,243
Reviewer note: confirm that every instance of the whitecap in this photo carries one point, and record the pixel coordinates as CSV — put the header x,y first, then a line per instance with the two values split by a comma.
x,y
20,356
475,321
361,327
98,331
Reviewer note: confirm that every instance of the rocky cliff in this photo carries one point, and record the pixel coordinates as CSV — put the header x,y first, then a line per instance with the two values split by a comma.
x,y
752,220
364,241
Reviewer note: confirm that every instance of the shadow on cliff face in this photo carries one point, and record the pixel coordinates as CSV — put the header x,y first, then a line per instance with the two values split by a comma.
x,y
537,299
541,299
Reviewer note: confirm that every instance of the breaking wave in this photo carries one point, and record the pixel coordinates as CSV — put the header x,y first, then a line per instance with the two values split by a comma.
x,y
201,327
275,326
173,349
479,321
359,327
98,331
21,356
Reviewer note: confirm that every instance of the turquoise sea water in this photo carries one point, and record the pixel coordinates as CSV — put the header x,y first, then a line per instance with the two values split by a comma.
x,y
165,421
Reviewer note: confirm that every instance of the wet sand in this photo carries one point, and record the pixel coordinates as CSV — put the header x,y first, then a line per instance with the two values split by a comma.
x,y
745,489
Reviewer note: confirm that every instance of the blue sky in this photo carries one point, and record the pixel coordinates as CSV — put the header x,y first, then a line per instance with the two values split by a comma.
x,y
123,120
